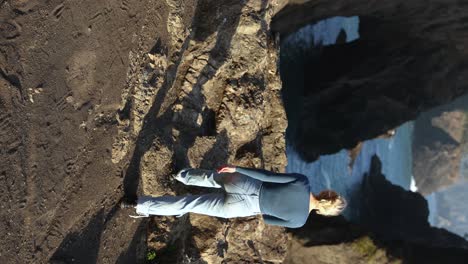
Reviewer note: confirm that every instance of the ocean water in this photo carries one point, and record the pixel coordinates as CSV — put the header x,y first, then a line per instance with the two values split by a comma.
x,y
447,208
464,167
450,208
333,171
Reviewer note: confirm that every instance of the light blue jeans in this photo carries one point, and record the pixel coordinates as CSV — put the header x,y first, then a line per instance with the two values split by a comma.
x,y
239,199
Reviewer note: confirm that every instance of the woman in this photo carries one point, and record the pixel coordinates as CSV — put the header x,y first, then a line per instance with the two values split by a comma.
x,y
282,199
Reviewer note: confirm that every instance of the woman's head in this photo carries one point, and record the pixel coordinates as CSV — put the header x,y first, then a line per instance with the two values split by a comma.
x,y
329,203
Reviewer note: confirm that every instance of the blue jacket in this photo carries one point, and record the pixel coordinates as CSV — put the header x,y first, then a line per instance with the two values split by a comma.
x,y
284,198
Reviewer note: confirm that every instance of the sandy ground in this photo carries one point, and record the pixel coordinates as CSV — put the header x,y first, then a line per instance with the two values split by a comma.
x,y
63,65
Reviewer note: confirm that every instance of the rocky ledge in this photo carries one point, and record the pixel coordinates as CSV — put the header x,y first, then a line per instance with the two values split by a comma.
x,y
209,96
202,89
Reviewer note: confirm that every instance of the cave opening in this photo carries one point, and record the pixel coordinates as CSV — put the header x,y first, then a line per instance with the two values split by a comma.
x,y
352,87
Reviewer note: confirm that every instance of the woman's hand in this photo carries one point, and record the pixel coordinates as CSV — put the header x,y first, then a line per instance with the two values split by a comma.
x,y
227,169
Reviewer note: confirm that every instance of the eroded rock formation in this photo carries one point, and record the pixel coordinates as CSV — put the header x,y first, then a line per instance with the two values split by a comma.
x,y
410,57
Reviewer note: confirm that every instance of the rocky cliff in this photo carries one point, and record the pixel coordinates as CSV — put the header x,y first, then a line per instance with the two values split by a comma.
x,y
105,99
409,58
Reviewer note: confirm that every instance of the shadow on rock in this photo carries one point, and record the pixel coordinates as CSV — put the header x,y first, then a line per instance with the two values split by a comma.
x,y
138,242
159,126
393,225
320,230
395,215
193,103
83,246
218,154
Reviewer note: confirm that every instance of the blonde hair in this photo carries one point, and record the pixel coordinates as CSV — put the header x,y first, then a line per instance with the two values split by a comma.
x,y
330,203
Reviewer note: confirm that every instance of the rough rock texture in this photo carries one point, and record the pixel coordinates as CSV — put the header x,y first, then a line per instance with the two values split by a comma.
x,y
325,240
363,250
436,166
438,146
453,123
207,97
410,56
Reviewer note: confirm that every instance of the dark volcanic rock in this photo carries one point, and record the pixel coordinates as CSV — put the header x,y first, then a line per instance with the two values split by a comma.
x,y
410,57
395,214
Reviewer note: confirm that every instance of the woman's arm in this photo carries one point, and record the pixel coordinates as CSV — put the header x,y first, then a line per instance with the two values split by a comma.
x,y
198,177
267,176
271,220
